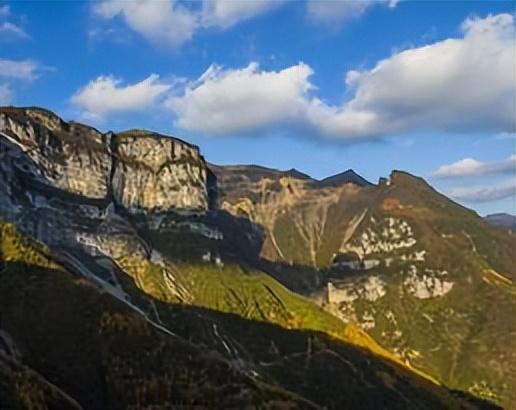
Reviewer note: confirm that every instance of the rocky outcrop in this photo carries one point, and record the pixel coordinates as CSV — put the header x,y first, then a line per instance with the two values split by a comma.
x,y
152,172
137,170
71,157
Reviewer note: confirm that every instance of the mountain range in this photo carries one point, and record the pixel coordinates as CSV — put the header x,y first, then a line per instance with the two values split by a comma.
x,y
134,274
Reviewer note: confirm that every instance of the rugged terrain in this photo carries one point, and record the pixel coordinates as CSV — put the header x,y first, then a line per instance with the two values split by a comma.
x,y
134,275
426,278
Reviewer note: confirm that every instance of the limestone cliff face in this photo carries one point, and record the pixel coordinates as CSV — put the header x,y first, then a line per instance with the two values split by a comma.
x,y
139,171
71,157
155,173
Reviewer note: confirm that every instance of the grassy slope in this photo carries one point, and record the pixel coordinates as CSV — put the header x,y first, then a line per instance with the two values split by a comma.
x,y
471,323
104,355
452,337
247,292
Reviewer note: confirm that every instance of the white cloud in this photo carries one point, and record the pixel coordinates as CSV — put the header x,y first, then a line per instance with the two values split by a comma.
x,y
7,28
163,21
469,167
14,72
485,193
21,70
5,94
106,95
172,23
462,84
224,13
458,85
243,100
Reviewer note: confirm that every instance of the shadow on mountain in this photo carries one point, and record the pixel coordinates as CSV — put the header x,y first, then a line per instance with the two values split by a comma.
x,y
106,354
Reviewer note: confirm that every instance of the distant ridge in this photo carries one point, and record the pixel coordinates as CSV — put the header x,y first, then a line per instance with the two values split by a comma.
x,y
256,172
348,176
503,220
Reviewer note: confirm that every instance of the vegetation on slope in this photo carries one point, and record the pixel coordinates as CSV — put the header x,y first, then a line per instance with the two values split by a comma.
x,y
105,355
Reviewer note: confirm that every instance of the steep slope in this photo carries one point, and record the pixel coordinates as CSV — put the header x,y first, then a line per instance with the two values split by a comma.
x,y
105,353
94,350
139,171
425,277
294,213
147,288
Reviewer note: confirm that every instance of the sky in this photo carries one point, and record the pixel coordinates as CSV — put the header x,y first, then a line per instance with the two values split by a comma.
x,y
428,87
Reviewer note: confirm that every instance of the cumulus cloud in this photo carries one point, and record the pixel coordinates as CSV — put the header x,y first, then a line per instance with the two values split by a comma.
x,y
458,85
243,100
470,167
485,193
464,84
164,21
172,23
107,94
224,13
19,69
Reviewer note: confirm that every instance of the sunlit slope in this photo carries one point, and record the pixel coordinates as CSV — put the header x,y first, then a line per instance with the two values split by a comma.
x,y
436,285
104,353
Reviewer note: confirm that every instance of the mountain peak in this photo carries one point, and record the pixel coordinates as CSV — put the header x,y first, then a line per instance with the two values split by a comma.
x,y
348,176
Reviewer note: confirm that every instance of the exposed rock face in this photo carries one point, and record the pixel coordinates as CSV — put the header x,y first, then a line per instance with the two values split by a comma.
x,y
156,173
292,208
140,171
430,284
71,157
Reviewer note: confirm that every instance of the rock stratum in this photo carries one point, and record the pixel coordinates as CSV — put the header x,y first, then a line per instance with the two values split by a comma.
x,y
134,275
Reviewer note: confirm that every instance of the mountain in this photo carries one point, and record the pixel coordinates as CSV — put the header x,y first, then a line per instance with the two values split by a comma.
x,y
345,177
135,275
425,277
503,220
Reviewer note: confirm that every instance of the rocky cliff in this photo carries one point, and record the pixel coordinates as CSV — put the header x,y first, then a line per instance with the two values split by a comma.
x,y
139,171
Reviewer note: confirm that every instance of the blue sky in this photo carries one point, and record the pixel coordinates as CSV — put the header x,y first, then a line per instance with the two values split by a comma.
x,y
321,86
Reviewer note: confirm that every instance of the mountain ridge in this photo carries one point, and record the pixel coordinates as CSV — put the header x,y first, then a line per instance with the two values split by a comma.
x,y
502,219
